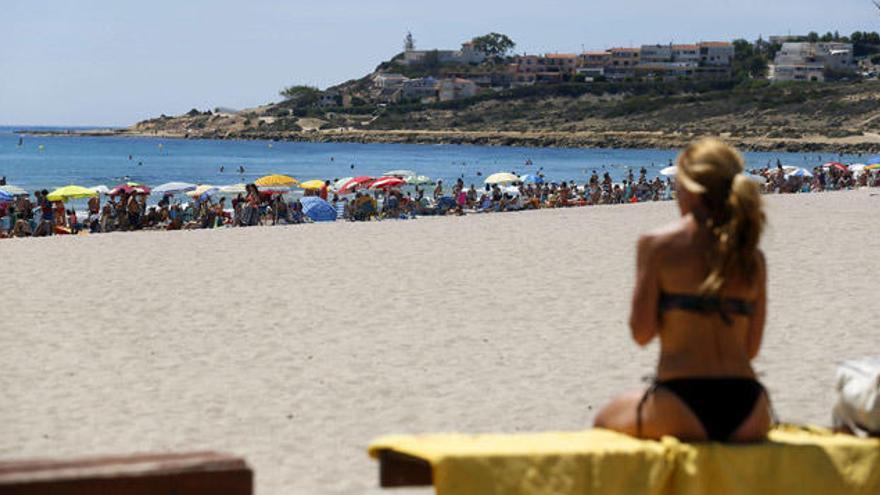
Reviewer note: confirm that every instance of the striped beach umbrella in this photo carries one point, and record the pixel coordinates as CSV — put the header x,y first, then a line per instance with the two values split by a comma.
x,y
387,183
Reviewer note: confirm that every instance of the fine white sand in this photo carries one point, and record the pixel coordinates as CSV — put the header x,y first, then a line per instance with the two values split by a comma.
x,y
295,346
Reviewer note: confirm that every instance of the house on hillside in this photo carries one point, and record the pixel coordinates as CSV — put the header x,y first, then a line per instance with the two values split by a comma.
x,y
330,98
456,89
802,61
382,80
421,89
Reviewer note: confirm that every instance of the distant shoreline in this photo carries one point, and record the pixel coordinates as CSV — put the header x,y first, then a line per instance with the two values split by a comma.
x,y
531,139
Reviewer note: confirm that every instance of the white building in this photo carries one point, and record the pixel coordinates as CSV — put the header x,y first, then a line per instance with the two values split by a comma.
x,y
419,89
384,80
466,55
802,61
456,89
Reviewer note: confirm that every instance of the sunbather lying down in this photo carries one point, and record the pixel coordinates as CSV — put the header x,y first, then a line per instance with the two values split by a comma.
x,y
701,288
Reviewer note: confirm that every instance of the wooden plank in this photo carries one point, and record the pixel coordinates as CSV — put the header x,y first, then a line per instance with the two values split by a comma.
x,y
200,473
397,469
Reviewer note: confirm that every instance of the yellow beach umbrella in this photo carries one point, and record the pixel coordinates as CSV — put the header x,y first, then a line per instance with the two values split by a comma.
x,y
312,184
501,178
276,180
70,192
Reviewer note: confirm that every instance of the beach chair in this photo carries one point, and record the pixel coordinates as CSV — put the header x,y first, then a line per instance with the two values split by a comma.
x,y
200,473
598,462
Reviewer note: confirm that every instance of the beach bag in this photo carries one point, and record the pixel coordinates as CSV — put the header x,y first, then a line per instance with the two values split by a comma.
x,y
858,390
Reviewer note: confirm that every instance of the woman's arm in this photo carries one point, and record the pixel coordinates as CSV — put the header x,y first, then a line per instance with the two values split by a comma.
x,y
643,315
756,324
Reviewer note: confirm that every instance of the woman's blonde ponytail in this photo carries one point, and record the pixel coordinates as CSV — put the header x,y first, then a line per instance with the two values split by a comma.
x,y
734,212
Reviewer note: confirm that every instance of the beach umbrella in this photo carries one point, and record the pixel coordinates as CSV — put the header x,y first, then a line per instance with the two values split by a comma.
x,y
387,182
501,178
338,183
13,190
355,183
203,192
531,179
233,189
757,178
67,193
799,172
5,196
875,166
403,174
837,165
788,169
857,167
275,181
129,188
669,171
174,188
419,180
100,189
312,184
317,209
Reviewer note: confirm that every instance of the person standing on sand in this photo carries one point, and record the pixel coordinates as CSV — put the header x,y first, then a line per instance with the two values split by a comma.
x,y
701,289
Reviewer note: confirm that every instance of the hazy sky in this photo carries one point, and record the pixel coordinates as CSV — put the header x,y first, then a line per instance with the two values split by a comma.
x,y
94,62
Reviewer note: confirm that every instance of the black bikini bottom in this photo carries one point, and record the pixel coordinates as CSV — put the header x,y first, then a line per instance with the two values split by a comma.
x,y
720,404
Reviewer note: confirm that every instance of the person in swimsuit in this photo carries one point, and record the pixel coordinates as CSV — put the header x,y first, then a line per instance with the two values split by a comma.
x,y
701,288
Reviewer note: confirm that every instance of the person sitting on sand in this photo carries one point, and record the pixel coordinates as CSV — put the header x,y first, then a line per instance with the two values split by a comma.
x,y
701,288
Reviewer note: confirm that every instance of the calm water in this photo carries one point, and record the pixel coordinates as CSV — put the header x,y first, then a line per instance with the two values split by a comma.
x,y
49,162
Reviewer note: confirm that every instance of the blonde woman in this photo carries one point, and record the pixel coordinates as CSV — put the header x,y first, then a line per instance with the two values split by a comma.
x,y
701,289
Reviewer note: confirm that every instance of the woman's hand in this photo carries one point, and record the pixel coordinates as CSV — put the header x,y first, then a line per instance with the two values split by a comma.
x,y
643,315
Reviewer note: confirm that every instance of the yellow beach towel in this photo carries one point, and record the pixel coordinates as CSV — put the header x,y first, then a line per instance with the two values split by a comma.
x,y
793,460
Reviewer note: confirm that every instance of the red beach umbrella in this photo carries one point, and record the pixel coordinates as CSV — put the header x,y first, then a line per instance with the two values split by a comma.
x,y
387,182
837,165
129,188
354,183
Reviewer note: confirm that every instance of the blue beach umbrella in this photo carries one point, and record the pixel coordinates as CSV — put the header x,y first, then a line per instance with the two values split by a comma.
x,y
317,209
532,179
5,196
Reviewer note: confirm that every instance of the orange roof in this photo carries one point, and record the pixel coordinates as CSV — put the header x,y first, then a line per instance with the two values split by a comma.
x,y
560,55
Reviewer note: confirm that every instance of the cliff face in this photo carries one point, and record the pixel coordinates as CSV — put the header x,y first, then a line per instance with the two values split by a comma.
x,y
836,116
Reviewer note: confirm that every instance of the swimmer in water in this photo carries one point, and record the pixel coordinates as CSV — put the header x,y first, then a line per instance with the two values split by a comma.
x,y
222,168
241,169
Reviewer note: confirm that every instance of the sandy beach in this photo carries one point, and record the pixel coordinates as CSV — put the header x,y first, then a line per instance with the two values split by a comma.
x,y
295,346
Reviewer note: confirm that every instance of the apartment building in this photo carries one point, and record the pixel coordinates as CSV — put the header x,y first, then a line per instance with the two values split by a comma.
x,y
803,61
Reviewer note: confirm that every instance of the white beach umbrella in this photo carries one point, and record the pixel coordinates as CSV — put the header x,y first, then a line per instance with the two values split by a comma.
x,y
669,171
174,188
501,178
512,190
403,174
13,190
757,178
419,180
857,167
787,169
233,189
101,189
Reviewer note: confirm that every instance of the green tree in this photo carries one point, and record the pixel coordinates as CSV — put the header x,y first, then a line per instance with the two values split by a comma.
x,y
494,45
301,95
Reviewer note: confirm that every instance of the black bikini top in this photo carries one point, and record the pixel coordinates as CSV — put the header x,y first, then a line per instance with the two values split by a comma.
x,y
702,304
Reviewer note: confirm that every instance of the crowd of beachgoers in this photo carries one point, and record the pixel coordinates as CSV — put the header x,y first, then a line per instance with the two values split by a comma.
x,y
281,200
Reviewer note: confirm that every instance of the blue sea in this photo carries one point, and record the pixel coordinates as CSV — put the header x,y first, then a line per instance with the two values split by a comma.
x,y
50,162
